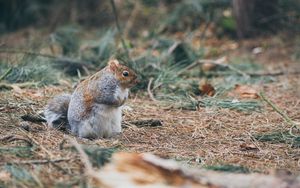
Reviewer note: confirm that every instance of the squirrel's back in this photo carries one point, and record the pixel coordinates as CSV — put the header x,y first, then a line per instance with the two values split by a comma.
x,y
56,111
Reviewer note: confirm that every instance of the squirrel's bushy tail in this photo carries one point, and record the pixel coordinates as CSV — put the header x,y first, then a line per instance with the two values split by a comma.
x,y
56,112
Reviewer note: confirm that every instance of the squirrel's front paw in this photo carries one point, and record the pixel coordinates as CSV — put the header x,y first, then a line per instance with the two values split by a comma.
x,y
121,101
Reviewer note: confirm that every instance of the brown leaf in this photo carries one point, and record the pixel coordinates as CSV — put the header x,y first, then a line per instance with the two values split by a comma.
x,y
207,89
245,91
208,66
212,66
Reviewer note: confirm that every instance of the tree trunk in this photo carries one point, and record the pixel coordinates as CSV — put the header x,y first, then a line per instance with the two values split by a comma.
x,y
243,13
253,16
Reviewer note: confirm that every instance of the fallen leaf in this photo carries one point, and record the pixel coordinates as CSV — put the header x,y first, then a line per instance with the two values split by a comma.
x,y
207,89
208,66
212,66
245,91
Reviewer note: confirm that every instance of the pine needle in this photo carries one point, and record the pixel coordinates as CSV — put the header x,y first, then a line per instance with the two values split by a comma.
x,y
276,108
6,73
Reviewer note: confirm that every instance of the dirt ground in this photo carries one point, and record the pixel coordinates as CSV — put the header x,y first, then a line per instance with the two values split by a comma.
x,y
206,137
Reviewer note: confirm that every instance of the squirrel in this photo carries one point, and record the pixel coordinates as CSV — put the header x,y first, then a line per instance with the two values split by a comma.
x,y
94,108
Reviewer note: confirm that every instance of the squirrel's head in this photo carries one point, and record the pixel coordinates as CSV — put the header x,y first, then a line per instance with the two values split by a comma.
x,y
126,77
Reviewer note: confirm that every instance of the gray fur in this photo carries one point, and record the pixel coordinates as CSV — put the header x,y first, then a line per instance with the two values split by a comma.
x,y
56,111
76,109
104,121
106,88
104,117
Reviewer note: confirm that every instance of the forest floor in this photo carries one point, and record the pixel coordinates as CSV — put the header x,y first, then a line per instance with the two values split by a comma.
x,y
210,137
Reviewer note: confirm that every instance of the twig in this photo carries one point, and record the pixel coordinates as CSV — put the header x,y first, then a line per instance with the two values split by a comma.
x,y
149,90
218,62
157,86
278,73
6,73
45,161
87,164
280,112
146,123
119,27
86,70
84,157
38,144
30,142
13,51
20,85
173,47
33,118
60,59
203,61
11,138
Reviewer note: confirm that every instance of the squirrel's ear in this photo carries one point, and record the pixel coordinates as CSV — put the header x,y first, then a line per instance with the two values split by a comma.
x,y
113,64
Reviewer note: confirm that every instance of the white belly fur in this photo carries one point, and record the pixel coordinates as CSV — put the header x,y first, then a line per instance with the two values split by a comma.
x,y
121,93
105,121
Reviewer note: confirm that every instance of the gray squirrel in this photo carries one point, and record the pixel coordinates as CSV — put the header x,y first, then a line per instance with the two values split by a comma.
x,y
94,108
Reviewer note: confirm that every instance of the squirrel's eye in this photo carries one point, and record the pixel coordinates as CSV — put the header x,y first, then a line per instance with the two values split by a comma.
x,y
125,73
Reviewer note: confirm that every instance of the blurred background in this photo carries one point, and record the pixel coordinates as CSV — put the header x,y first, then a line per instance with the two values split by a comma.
x,y
236,18
156,38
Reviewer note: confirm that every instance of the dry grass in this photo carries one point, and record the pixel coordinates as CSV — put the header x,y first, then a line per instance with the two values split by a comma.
x,y
202,138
